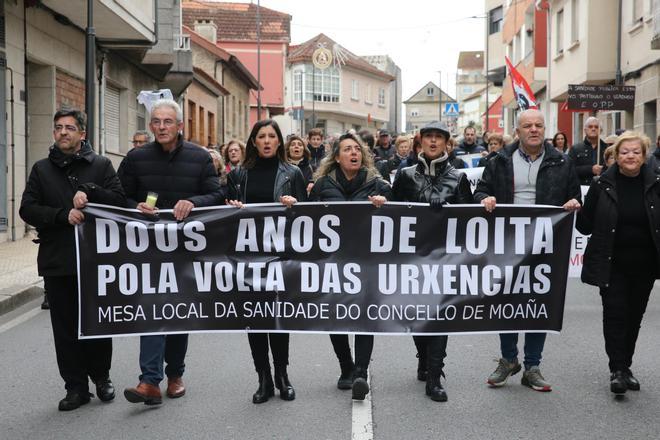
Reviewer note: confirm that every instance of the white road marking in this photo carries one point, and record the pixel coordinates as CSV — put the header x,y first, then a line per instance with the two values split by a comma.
x,y
362,427
20,319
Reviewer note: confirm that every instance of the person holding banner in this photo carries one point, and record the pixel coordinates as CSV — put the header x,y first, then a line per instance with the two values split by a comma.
x,y
435,181
347,175
588,154
266,177
168,173
623,255
58,188
531,172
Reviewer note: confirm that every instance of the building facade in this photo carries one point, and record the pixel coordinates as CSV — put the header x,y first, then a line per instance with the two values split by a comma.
x,y
349,94
387,65
139,46
425,106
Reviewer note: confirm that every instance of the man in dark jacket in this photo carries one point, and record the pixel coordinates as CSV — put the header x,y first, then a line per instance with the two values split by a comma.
x,y
534,173
183,176
384,149
587,156
469,144
58,189
654,158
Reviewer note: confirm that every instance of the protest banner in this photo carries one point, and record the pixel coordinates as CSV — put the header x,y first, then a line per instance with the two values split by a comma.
x,y
323,267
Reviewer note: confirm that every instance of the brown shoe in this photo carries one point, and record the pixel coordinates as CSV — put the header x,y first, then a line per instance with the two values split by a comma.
x,y
144,392
175,387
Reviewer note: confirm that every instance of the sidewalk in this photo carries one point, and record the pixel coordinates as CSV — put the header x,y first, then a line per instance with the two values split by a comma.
x,y
19,282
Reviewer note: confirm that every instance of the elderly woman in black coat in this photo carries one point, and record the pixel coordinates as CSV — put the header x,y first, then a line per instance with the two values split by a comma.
x,y
622,213
435,181
266,177
348,174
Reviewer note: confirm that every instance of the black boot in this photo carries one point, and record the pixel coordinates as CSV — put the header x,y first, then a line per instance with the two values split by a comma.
x,y
360,385
345,381
434,387
266,388
422,369
282,383
618,382
45,305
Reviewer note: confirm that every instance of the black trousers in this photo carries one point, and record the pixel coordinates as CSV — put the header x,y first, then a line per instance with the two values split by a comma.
x,y
76,359
624,304
279,346
364,345
434,349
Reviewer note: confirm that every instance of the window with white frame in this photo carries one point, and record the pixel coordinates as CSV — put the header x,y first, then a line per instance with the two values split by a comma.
x,y
323,85
355,90
495,18
367,94
430,91
560,32
381,96
575,17
414,112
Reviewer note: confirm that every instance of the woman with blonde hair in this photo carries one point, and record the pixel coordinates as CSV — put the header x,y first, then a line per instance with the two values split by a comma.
x,y
234,154
348,174
621,212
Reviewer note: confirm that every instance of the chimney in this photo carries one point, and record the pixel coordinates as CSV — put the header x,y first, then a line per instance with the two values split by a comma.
x,y
207,29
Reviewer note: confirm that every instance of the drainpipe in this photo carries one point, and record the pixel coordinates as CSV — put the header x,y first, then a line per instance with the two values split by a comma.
x,y
26,125
619,78
13,154
90,70
102,104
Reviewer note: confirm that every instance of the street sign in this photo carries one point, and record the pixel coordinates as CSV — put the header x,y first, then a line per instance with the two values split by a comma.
x,y
451,109
586,97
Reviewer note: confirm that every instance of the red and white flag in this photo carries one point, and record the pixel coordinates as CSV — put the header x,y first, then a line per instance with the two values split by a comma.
x,y
521,89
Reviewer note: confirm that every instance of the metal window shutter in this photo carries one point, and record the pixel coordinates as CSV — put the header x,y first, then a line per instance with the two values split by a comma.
x,y
112,119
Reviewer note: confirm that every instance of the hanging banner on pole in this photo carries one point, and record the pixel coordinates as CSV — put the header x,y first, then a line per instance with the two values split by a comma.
x,y
335,267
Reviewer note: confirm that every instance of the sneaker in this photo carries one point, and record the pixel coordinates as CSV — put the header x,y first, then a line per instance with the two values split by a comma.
x,y
502,372
534,379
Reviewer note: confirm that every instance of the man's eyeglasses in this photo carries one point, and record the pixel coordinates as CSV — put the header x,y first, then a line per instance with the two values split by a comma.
x,y
165,122
69,128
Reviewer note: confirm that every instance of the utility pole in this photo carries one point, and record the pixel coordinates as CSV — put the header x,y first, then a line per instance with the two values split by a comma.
x,y
440,96
259,60
618,80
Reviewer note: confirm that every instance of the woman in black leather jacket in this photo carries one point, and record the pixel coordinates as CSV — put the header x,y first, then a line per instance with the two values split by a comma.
x,y
622,213
348,174
435,181
266,177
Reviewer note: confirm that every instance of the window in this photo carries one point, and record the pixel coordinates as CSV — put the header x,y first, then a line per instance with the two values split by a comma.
x,y
211,139
467,90
560,32
202,127
575,17
112,118
233,116
414,112
367,94
324,85
430,91
637,11
192,114
495,17
381,96
517,48
355,90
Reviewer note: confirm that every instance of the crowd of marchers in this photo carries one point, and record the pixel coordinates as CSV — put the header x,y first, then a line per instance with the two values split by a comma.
x,y
620,211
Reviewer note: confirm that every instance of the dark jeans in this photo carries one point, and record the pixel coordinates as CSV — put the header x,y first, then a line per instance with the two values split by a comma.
x,y
279,346
624,304
364,345
154,349
435,350
77,359
534,343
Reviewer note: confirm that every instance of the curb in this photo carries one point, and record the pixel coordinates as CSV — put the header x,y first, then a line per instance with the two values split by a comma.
x,y
26,294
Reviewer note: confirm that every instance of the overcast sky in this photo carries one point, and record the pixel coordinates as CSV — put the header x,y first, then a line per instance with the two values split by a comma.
x,y
421,36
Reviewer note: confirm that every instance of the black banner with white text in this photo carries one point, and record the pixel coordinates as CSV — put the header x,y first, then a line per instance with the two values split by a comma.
x,y
335,267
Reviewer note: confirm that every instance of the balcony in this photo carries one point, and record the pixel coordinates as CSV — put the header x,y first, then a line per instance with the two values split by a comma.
x,y
114,20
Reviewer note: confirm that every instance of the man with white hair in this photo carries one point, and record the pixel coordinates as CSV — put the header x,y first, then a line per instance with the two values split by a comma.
x,y
183,176
587,156
531,172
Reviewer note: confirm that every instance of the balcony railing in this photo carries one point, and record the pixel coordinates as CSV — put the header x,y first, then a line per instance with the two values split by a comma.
x,y
181,42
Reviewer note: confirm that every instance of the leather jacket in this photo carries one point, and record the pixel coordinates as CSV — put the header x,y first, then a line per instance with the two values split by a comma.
x,y
437,180
289,181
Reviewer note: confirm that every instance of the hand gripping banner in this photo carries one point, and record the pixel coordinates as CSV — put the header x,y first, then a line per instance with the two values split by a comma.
x,y
324,267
